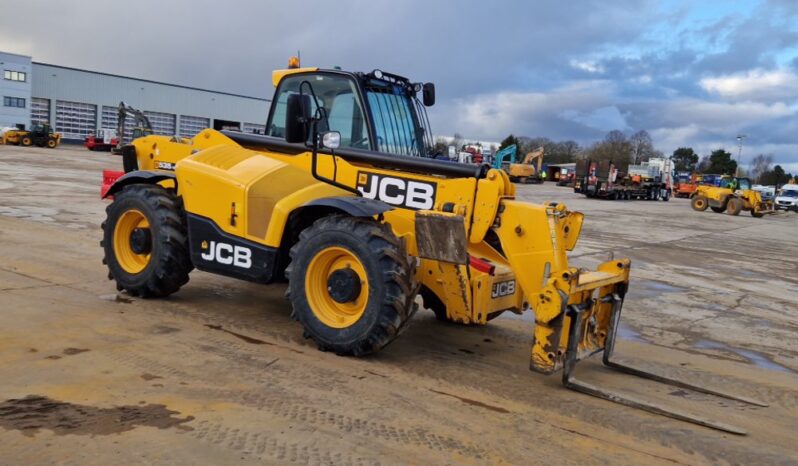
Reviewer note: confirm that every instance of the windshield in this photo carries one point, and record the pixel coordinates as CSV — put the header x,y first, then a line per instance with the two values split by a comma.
x,y
790,193
400,122
735,183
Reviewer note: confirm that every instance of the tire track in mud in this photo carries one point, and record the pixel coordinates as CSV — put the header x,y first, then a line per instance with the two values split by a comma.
x,y
633,423
264,447
547,435
281,400
493,381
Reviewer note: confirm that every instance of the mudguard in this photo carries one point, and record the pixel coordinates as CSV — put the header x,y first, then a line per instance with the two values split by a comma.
x,y
136,177
354,206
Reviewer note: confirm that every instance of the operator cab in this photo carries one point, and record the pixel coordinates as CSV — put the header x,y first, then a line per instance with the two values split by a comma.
x,y
372,111
736,184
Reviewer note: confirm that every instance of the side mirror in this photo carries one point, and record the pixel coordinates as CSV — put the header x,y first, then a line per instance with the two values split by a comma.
x,y
429,94
297,118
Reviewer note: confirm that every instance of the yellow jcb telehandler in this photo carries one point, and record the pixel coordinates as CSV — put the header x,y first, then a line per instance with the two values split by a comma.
x,y
732,196
339,199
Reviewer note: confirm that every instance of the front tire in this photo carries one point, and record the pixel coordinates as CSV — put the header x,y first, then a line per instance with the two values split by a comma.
x,y
145,241
699,203
351,285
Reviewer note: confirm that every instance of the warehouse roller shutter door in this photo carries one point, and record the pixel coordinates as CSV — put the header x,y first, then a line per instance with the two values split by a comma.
x,y
254,128
162,123
191,125
110,120
75,120
39,110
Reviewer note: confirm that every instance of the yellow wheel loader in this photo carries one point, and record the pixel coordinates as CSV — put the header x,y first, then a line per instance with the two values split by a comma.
x,y
339,199
732,196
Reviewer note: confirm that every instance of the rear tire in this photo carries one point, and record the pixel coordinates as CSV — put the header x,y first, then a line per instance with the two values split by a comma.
x,y
27,141
699,203
145,241
363,311
51,143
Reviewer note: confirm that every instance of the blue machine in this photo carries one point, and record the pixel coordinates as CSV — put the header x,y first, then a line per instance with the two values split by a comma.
x,y
506,153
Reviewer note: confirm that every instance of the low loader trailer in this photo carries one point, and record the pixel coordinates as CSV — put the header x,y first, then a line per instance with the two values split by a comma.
x,y
650,180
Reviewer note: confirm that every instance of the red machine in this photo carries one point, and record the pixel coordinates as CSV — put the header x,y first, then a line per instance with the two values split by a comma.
x,y
476,154
686,184
102,139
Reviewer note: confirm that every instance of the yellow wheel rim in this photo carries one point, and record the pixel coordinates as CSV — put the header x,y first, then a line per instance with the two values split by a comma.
x,y
51,144
128,259
329,311
27,142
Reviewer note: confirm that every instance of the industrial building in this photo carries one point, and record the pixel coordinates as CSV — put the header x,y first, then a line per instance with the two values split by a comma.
x,y
76,102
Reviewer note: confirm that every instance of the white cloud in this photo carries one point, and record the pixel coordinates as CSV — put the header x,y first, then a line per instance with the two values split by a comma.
x,y
710,117
669,139
589,66
569,111
759,84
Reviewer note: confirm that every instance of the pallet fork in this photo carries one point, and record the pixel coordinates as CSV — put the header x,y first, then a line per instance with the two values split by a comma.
x,y
575,312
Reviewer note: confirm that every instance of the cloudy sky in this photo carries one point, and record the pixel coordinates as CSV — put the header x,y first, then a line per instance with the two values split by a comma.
x,y
691,73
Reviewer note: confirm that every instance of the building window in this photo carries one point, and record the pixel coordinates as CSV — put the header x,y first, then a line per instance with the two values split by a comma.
x,y
18,102
16,75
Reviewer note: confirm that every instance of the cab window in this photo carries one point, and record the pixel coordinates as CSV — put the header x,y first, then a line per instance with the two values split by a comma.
x,y
337,95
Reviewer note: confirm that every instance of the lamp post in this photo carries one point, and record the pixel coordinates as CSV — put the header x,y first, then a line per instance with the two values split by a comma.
x,y
740,138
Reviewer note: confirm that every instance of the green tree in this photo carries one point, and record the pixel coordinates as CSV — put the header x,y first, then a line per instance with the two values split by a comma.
x,y
775,177
509,141
685,159
562,152
721,162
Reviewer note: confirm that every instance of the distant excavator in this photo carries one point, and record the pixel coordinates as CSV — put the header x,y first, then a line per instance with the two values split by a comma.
x,y
525,172
142,126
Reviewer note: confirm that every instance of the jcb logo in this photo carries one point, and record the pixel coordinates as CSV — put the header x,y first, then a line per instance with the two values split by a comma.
x,y
502,289
227,254
403,192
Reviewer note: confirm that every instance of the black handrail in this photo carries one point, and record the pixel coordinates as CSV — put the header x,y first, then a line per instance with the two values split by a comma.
x,y
378,159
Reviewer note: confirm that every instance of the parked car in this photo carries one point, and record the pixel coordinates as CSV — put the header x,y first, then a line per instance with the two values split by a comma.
x,y
788,198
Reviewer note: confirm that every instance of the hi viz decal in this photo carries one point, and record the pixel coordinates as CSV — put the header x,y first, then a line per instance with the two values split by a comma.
x,y
502,289
397,191
227,254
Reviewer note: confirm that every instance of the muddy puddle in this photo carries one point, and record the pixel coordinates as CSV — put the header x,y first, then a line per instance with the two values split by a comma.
x,y
35,412
753,357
